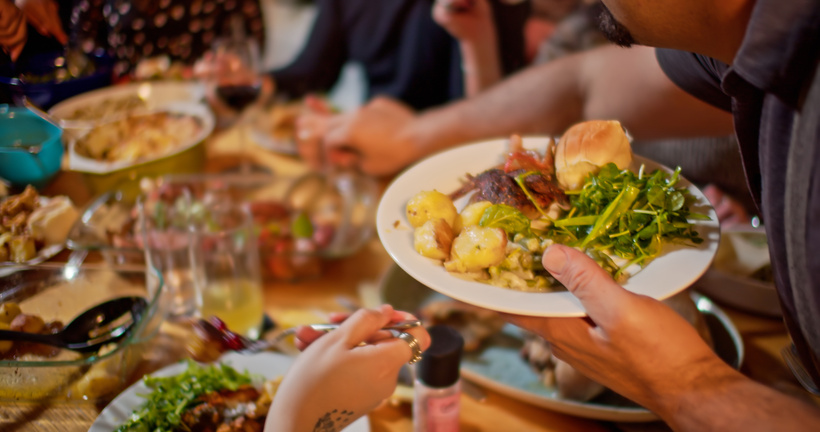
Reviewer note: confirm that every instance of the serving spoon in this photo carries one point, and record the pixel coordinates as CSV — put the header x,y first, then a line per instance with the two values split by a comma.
x,y
60,123
107,322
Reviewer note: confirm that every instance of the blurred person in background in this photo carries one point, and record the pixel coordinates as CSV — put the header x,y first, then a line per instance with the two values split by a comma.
x,y
404,51
423,53
167,33
179,31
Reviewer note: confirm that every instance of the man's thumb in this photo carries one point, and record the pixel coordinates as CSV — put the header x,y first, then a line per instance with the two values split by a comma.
x,y
585,279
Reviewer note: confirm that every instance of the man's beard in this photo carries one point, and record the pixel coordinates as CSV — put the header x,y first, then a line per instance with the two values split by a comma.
x,y
610,27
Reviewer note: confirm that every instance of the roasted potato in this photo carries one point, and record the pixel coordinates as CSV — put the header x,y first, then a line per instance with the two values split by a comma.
x,y
22,248
433,239
477,248
8,311
470,215
427,205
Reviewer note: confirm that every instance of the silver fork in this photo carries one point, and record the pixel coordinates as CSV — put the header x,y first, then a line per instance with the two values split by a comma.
x,y
254,346
789,353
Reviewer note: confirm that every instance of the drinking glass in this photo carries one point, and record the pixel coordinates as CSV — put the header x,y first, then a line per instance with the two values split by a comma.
x,y
236,83
225,259
163,222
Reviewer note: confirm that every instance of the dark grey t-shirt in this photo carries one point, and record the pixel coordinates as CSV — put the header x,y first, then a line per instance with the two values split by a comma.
x,y
765,90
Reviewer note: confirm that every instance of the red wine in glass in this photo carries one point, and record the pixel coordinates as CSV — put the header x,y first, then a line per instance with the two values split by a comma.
x,y
238,96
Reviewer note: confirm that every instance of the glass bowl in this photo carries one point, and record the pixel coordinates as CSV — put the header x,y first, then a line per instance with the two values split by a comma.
x,y
106,226
60,293
337,229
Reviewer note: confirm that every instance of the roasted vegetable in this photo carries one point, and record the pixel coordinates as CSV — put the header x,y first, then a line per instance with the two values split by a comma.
x,y
8,311
477,248
427,205
433,239
471,215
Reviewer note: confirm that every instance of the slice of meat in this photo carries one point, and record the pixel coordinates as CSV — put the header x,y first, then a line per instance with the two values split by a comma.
x,y
225,411
498,187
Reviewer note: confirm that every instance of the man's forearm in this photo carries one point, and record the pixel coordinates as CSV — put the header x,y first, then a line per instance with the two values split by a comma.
x,y
542,99
606,83
727,400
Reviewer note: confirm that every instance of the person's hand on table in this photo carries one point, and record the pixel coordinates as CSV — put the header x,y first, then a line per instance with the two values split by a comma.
x,y
373,138
43,15
310,129
342,375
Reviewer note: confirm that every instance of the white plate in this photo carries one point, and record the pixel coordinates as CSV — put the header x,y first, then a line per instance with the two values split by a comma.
x,y
268,142
155,94
498,364
269,365
676,269
200,111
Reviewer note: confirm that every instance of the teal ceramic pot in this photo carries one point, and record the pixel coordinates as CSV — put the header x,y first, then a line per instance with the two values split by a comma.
x,y
30,148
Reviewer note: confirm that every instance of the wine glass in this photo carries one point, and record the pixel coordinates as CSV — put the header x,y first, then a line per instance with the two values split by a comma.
x,y
236,84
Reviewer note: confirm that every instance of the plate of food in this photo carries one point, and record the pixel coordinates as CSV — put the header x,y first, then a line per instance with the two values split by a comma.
x,y
140,137
33,228
275,128
258,375
646,224
121,100
513,362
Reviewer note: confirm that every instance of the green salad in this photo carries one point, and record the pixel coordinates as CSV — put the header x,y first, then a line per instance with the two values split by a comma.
x,y
619,218
172,396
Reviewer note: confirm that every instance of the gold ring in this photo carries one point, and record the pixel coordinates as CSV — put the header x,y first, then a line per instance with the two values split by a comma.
x,y
414,346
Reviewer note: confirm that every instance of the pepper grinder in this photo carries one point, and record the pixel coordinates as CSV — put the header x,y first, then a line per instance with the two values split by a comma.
x,y
437,391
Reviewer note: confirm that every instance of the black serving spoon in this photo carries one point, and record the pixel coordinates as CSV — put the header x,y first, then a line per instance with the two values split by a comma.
x,y
88,332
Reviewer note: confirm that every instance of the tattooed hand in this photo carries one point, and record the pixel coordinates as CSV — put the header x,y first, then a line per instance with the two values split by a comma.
x,y
342,375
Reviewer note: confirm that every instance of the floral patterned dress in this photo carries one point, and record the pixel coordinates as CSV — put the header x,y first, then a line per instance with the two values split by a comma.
x,y
181,29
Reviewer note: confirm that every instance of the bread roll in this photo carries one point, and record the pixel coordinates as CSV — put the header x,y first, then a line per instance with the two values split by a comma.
x,y
586,147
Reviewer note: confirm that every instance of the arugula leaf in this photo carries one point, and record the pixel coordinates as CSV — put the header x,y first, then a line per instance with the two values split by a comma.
x,y
172,396
510,219
627,215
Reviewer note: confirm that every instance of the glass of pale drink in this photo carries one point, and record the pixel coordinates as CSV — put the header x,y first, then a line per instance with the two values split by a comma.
x,y
224,255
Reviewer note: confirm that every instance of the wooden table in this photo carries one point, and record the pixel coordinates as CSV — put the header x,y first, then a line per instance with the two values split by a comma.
x,y
763,339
